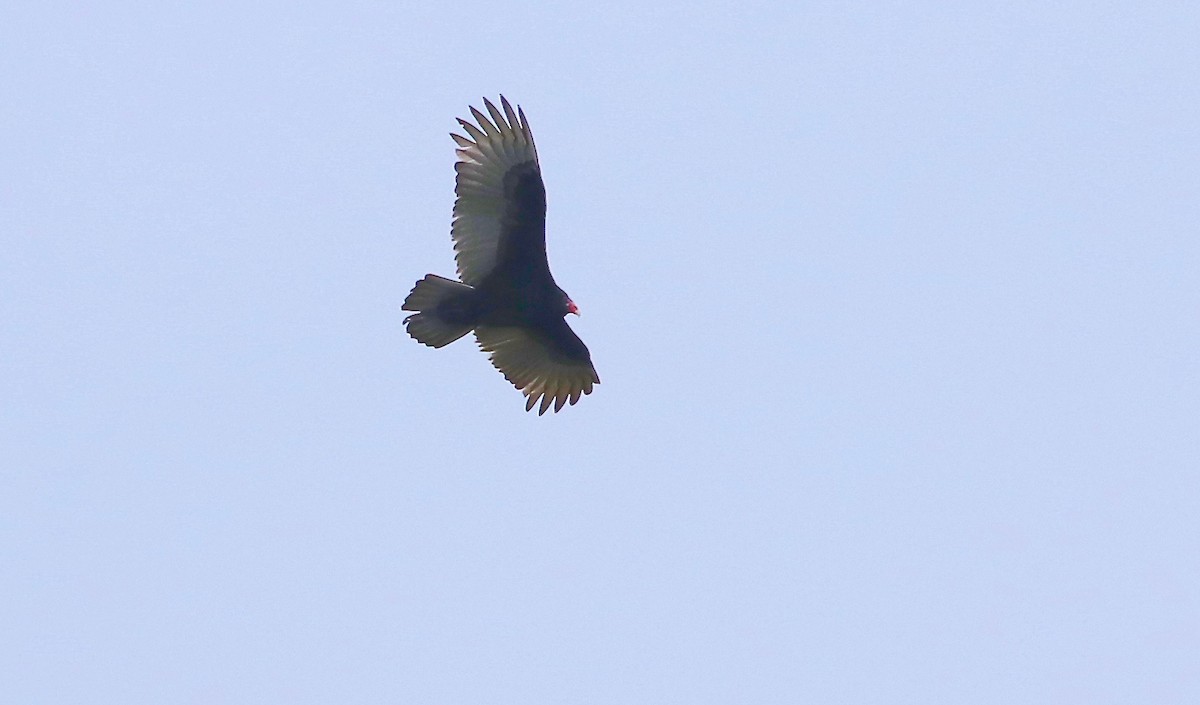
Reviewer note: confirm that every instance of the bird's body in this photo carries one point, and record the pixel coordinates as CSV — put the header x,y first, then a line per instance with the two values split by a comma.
x,y
507,295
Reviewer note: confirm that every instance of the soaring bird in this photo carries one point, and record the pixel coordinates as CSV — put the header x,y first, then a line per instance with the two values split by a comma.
x,y
506,295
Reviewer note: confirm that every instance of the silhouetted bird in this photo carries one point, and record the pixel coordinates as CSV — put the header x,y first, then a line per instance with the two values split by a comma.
x,y
507,294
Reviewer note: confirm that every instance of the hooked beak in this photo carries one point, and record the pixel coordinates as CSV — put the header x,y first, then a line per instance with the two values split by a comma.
x,y
572,308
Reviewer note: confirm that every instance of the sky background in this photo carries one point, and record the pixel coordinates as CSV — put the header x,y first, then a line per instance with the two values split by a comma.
x,y
896,308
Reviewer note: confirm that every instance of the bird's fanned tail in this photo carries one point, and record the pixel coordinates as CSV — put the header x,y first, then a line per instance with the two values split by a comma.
x,y
430,325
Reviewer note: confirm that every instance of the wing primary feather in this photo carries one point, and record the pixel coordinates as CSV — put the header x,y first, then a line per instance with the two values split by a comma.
x,y
497,117
508,112
475,133
508,136
461,141
484,123
526,131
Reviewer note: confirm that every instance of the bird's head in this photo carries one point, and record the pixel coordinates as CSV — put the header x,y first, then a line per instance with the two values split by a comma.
x,y
568,306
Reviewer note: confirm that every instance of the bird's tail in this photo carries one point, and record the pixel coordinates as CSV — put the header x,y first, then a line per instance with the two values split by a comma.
x,y
441,318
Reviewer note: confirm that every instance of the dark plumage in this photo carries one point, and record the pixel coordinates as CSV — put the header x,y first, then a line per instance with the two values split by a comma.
x,y
507,294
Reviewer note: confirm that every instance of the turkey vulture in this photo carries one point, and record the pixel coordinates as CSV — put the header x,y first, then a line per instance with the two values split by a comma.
x,y
506,293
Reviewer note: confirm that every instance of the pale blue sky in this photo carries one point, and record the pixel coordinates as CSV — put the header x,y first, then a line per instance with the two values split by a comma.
x,y
896,308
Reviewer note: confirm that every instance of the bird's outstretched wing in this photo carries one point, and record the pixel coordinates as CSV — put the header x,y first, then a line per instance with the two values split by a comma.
x,y
550,365
500,211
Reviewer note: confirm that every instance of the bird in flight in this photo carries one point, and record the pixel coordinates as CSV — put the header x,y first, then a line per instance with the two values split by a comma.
x,y
506,294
